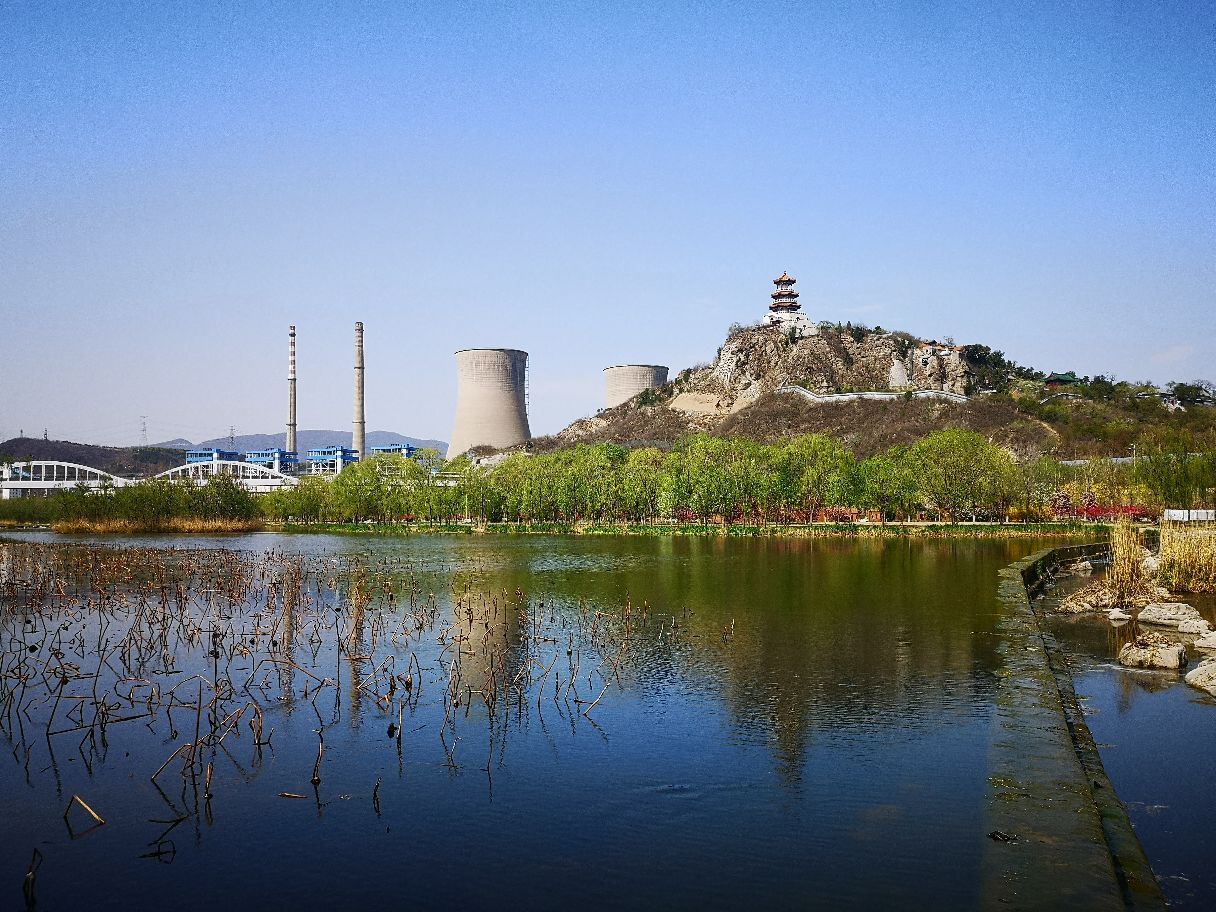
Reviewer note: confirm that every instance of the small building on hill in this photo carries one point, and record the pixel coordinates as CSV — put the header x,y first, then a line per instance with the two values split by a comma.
x,y
784,309
1056,381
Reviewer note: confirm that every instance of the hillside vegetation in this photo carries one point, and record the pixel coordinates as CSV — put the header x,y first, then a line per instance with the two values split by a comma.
x,y
1012,406
122,461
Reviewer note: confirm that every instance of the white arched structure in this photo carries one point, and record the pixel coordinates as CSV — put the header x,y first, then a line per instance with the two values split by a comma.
x,y
255,478
19,478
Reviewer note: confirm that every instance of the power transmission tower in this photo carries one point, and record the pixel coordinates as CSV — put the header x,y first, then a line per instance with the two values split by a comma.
x,y
232,436
143,430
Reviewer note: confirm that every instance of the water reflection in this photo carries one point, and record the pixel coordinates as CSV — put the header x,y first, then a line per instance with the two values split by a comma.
x,y
1153,732
762,702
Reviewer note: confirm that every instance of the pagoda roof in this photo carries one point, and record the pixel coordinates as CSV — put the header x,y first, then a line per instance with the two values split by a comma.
x,y
784,277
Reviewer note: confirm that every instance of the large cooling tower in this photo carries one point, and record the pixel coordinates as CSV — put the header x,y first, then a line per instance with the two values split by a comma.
x,y
623,382
491,409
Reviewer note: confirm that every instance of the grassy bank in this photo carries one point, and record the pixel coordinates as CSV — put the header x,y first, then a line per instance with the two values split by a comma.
x,y
812,530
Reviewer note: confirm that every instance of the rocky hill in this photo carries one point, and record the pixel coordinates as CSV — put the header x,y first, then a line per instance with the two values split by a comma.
x,y
748,390
739,392
758,360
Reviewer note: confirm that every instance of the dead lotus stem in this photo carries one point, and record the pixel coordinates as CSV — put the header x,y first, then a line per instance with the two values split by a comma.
x,y
316,767
169,759
76,799
596,703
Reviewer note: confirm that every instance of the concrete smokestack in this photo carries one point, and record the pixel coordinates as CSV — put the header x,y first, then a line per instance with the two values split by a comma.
x,y
291,389
491,408
623,382
359,435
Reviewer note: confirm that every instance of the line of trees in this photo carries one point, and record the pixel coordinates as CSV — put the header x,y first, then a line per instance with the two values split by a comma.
x,y
949,475
145,505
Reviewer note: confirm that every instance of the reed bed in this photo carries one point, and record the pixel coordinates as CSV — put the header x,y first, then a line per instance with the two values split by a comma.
x,y
163,524
207,649
1125,584
1188,556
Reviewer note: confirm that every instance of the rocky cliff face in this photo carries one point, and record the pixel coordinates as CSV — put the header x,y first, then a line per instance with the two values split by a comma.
x,y
760,359
756,361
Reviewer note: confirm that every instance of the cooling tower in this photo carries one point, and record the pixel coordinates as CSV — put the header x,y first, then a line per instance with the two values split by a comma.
x,y
491,409
358,441
291,389
623,382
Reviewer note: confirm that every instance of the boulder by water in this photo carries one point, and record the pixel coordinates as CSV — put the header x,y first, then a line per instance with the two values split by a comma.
x,y
1079,568
1118,616
1204,677
1168,614
1152,650
1207,641
1198,628
1151,565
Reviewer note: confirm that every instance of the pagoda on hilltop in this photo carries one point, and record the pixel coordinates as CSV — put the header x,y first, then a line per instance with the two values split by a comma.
x,y
784,311
785,299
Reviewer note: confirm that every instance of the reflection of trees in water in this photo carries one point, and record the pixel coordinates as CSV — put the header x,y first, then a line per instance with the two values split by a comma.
x,y
794,636
827,633
861,638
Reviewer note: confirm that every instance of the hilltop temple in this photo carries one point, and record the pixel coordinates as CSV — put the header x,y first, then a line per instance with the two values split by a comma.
x,y
784,309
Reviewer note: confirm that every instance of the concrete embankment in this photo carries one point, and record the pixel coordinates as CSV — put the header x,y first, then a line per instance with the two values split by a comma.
x,y
1059,837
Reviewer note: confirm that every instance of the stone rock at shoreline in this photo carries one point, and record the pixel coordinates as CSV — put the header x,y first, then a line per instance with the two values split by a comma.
x,y
1168,614
1117,616
1152,650
1080,568
1198,628
1204,677
1207,641
1151,564
1075,605
1162,592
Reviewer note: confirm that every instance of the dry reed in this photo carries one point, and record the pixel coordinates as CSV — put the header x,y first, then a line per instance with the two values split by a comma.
x,y
1188,556
1125,584
100,638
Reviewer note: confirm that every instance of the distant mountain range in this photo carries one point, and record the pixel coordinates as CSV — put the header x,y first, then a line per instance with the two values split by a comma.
x,y
305,440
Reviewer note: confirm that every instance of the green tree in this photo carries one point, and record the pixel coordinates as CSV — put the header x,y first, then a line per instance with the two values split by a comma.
x,y
959,472
814,471
888,483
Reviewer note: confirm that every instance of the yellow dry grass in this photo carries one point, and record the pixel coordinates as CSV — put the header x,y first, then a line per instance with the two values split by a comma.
x,y
1188,556
1125,584
1126,575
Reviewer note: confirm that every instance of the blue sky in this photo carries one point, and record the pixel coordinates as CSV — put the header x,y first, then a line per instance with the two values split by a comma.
x,y
595,183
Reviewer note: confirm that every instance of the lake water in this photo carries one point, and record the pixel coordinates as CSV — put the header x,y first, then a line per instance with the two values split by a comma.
x,y
1156,736
786,722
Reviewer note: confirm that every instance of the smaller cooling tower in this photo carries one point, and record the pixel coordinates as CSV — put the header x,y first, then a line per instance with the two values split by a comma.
x,y
491,407
623,382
